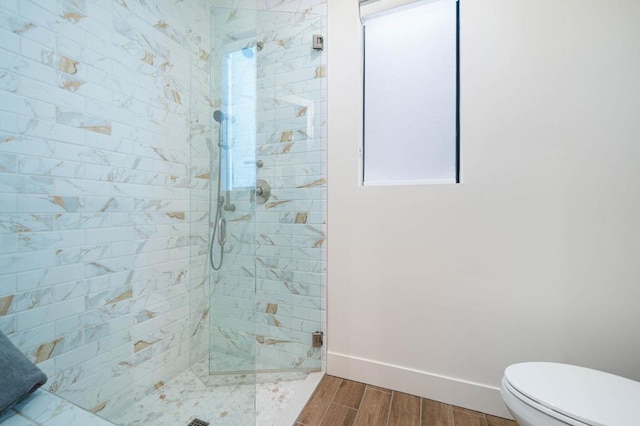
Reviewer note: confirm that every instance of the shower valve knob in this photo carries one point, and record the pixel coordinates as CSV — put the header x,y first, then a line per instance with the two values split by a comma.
x,y
263,191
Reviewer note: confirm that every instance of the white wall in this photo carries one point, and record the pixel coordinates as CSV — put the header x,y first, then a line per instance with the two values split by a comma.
x,y
436,289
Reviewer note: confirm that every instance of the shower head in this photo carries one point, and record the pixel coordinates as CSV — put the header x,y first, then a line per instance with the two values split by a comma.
x,y
219,116
247,52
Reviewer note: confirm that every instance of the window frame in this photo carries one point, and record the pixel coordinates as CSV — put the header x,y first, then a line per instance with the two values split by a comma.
x,y
457,138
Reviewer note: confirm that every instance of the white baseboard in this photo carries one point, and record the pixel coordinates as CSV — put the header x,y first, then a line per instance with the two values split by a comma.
x,y
474,396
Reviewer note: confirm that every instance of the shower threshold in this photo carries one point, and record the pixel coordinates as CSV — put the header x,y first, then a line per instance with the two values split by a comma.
x,y
268,399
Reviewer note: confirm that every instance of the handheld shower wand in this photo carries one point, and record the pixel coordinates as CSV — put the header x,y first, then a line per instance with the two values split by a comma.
x,y
223,120
220,223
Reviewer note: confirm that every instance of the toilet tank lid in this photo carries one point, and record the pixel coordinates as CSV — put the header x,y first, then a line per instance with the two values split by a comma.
x,y
590,396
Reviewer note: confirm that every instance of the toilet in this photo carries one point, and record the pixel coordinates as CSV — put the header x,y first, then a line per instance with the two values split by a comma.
x,y
550,394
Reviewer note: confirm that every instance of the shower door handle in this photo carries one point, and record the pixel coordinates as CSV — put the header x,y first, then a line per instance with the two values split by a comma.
x,y
222,231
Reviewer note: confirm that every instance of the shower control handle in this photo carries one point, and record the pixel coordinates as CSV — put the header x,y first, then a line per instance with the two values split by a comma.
x,y
259,163
262,191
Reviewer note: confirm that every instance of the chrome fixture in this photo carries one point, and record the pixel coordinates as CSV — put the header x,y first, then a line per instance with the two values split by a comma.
x,y
246,51
263,191
317,339
318,42
220,223
223,121
258,163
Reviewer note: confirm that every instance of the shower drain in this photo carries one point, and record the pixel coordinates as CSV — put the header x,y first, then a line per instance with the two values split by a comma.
x,y
198,422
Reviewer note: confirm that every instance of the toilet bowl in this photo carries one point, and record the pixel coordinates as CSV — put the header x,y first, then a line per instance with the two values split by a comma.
x,y
550,394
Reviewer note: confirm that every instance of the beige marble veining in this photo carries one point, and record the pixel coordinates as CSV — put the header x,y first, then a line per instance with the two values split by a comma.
x,y
259,402
108,144
96,274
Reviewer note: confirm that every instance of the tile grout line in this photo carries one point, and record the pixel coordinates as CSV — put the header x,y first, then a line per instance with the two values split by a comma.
x,y
326,411
420,419
453,416
345,406
360,403
390,405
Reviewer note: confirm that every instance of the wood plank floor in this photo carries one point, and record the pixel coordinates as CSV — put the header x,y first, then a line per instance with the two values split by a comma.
x,y
342,402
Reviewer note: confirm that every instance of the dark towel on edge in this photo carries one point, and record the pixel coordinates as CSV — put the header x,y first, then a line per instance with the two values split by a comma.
x,y
19,377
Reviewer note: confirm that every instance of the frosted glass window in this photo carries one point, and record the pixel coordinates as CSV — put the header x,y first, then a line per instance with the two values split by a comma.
x,y
411,94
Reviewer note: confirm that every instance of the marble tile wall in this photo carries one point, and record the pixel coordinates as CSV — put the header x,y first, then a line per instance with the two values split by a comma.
x,y
46,409
270,295
100,104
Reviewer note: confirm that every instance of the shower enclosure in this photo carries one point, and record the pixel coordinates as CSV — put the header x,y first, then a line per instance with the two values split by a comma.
x,y
260,227
162,201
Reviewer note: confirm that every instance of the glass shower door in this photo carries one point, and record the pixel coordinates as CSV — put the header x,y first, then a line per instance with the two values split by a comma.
x,y
232,287
267,201
258,268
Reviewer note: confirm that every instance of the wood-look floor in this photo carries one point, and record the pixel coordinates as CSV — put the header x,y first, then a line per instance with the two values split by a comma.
x,y
342,402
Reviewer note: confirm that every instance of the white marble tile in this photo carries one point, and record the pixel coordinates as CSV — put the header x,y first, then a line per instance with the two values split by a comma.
x,y
44,408
106,109
186,397
15,419
76,416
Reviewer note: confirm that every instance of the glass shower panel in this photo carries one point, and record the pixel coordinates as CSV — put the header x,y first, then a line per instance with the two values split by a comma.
x,y
267,125
290,227
234,95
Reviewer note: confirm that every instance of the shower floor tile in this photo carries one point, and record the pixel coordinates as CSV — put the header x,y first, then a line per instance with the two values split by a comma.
x,y
186,397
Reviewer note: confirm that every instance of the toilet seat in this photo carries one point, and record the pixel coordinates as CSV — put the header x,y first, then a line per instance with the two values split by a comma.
x,y
575,395
509,393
